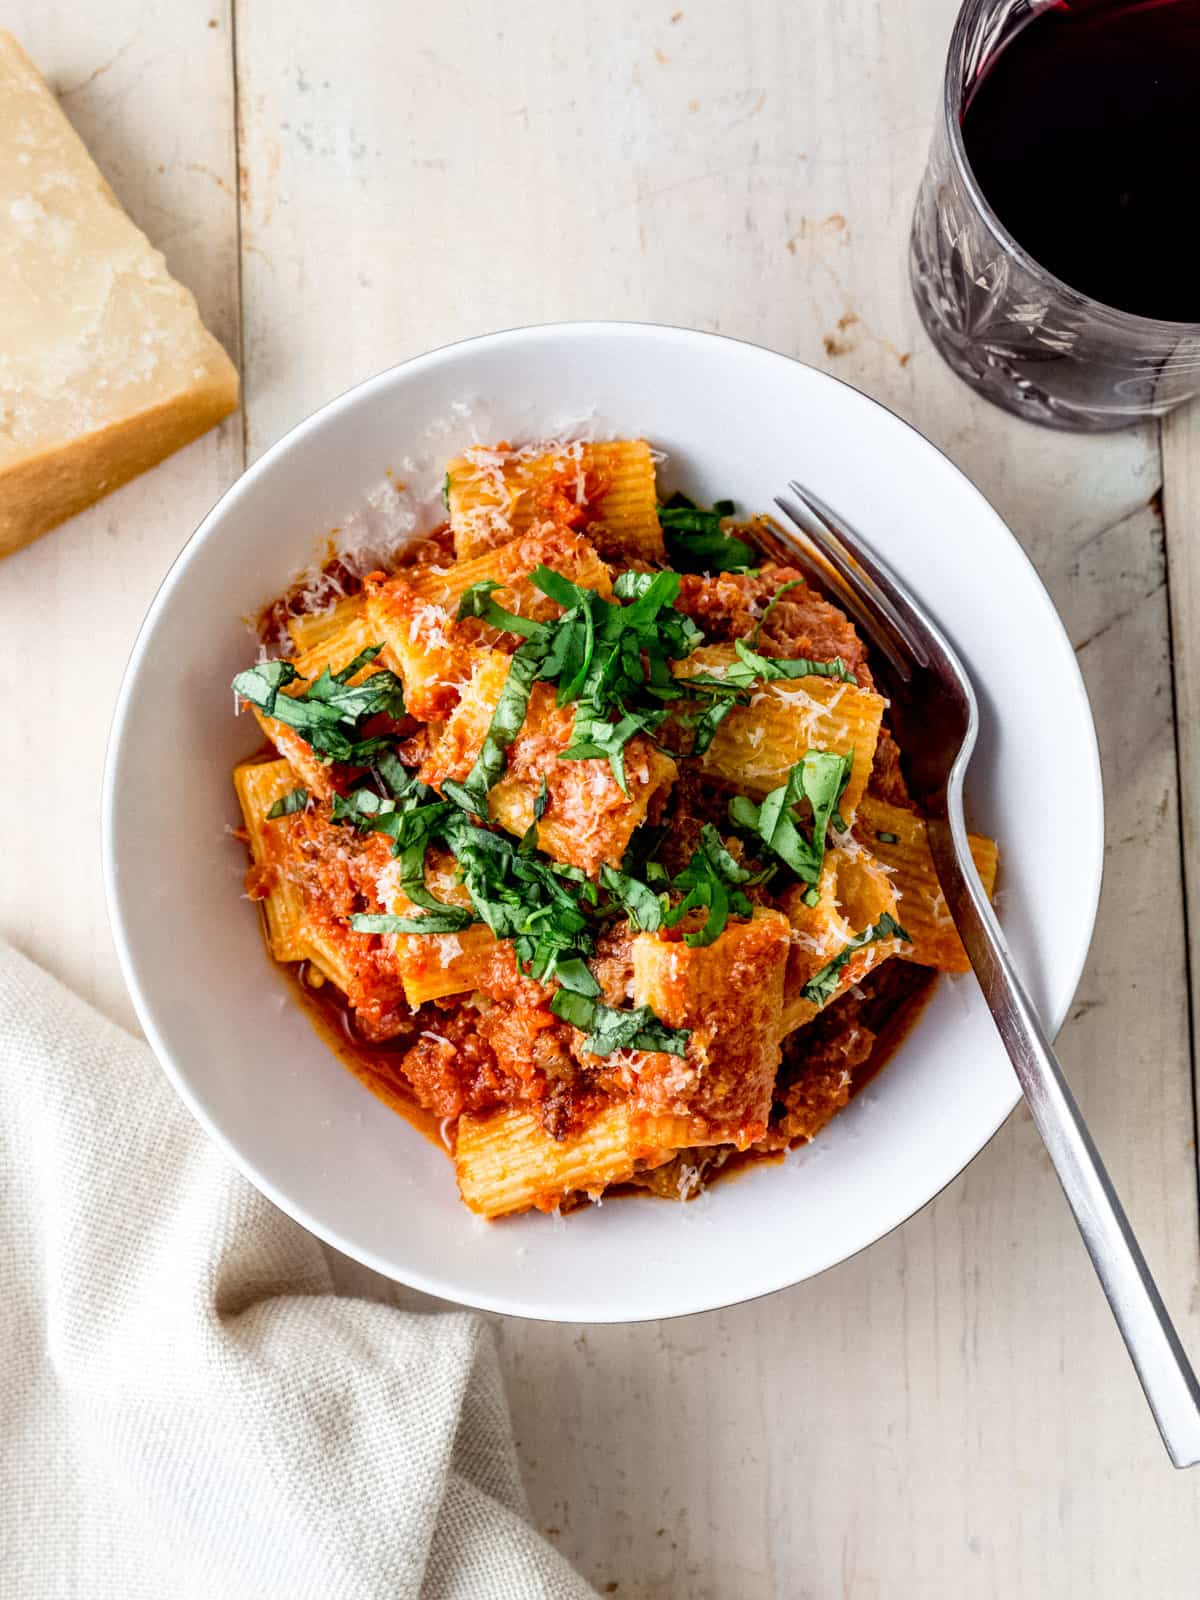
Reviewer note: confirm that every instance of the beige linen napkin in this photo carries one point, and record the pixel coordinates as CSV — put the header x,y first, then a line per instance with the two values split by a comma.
x,y
186,1407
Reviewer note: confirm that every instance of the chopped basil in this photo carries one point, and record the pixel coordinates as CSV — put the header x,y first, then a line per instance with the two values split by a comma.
x,y
506,723
820,777
330,711
477,602
573,974
888,838
707,723
295,800
639,902
756,667
606,658
732,688
612,661
529,839
361,660
632,585
411,823
450,919
393,774
446,491
696,541
608,1029
596,738
537,903
710,881
821,987
520,896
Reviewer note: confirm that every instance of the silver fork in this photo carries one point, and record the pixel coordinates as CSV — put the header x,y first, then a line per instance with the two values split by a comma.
x,y
934,712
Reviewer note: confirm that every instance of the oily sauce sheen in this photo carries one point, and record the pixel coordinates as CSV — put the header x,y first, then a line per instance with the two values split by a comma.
x,y
375,1065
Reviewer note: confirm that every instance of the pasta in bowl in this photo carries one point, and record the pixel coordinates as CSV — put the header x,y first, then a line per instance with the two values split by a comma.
x,y
586,813
234,1030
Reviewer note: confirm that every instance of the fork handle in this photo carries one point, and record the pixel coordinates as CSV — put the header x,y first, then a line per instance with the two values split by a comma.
x,y
1162,1365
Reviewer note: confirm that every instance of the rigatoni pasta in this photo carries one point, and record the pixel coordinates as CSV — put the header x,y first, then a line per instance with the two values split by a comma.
x,y
508,1162
758,744
260,786
588,830
897,837
497,494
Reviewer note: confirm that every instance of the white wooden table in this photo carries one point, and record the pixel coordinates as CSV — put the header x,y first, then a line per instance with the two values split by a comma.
x,y
951,1413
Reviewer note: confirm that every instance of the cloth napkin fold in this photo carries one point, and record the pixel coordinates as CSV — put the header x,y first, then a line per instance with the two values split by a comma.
x,y
186,1406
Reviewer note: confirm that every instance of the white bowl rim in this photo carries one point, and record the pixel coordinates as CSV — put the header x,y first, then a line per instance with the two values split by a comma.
x,y
444,1288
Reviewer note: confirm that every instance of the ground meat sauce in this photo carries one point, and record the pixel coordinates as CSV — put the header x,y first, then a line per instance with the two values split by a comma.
x,y
730,605
504,1046
830,1060
887,780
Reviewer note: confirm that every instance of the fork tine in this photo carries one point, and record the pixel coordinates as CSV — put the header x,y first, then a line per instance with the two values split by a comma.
x,y
904,615
849,591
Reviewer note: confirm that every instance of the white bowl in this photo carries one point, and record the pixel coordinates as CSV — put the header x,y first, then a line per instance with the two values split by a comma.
x,y
737,422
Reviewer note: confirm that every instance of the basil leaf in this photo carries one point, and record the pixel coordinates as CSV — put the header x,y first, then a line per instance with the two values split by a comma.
x,y
770,668
707,724
711,882
529,839
362,659
294,801
689,519
662,591
450,919
477,602
570,596
262,682
821,987
609,1029
632,585
393,774
520,896
719,858
696,542
573,974
361,807
820,777
329,711
640,903
507,721
573,1008
579,636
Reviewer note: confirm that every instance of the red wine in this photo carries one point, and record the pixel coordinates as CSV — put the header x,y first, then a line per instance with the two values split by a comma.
x,y
1083,132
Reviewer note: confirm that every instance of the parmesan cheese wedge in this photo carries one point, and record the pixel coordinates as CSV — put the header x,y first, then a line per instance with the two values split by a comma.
x,y
105,366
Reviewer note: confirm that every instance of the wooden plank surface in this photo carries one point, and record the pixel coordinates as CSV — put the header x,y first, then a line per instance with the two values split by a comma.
x,y
951,1413
71,603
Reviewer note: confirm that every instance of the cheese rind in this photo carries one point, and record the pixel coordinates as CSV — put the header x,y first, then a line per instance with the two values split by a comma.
x,y
105,366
